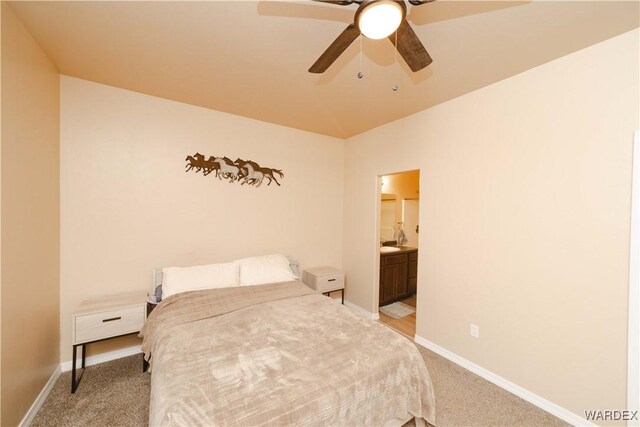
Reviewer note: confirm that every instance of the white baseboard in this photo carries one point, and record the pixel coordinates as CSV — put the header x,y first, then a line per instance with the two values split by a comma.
x,y
31,413
525,394
103,357
361,311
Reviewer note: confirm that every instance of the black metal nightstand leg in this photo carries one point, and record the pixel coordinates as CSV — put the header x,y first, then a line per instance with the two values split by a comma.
x,y
74,381
73,370
342,296
84,352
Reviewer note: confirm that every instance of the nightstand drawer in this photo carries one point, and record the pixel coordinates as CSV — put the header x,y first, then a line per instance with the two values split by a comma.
x,y
97,326
323,279
329,283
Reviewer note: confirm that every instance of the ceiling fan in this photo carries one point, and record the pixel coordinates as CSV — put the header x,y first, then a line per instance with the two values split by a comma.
x,y
377,19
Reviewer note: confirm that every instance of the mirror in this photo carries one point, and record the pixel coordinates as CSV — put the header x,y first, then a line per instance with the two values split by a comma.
x,y
387,219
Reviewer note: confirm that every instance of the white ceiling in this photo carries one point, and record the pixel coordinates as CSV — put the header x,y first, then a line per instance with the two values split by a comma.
x,y
251,57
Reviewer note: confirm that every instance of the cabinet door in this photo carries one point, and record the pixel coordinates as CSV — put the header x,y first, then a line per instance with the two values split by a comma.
x,y
387,284
381,293
400,278
413,273
413,268
413,286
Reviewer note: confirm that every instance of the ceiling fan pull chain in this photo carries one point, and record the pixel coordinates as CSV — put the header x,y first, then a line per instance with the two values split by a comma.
x,y
360,73
395,62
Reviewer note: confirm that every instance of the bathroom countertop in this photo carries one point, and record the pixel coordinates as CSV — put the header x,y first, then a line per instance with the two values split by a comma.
x,y
403,249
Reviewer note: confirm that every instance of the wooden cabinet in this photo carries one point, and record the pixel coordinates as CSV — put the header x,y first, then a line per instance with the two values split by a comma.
x,y
398,276
413,272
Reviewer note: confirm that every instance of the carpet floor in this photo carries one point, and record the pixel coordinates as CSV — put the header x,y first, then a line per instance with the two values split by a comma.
x,y
116,393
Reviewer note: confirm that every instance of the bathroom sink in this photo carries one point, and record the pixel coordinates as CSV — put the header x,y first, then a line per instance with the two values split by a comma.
x,y
385,249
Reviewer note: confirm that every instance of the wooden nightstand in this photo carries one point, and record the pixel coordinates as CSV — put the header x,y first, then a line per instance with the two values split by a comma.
x,y
105,318
324,279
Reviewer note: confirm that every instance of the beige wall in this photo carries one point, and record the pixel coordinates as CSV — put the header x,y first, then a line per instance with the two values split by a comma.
x,y
128,206
30,240
525,211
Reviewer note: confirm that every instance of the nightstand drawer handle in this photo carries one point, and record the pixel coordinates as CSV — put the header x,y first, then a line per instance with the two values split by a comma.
x,y
112,319
331,280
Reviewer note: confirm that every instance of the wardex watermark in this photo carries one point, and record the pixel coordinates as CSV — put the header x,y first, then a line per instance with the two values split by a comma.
x,y
599,415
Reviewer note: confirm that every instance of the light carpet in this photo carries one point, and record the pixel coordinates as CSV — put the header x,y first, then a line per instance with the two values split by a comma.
x,y
397,310
116,393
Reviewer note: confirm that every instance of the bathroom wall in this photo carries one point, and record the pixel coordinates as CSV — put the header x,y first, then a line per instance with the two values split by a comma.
x,y
406,185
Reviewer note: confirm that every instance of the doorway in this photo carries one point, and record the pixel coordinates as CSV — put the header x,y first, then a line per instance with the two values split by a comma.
x,y
398,230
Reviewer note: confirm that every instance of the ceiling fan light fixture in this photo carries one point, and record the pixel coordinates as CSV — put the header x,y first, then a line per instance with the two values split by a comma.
x,y
378,19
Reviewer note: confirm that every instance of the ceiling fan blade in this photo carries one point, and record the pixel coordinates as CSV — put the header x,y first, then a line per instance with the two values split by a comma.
x,y
410,47
419,2
335,49
339,2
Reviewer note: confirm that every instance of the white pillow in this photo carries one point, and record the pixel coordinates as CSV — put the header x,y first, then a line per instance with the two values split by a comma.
x,y
265,269
183,279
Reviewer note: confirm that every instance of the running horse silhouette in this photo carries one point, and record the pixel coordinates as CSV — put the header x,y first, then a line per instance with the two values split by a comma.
x,y
210,166
253,176
267,173
243,171
196,161
227,169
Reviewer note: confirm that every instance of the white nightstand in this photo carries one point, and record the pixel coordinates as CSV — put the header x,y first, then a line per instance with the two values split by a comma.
x,y
324,279
105,318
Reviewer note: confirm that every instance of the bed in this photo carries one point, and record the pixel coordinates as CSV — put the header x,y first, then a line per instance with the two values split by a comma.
x,y
279,354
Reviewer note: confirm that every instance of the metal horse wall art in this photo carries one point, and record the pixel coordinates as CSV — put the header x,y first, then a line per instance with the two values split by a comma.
x,y
242,171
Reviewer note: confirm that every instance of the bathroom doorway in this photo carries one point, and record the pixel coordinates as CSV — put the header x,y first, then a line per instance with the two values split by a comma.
x,y
398,229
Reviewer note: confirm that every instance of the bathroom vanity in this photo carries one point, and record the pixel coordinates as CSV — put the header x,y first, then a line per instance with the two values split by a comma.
x,y
398,273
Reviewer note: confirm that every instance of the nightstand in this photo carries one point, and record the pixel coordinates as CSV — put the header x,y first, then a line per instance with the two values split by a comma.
x,y
324,280
103,319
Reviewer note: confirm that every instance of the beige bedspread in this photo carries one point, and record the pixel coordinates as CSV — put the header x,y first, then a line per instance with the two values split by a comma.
x,y
278,354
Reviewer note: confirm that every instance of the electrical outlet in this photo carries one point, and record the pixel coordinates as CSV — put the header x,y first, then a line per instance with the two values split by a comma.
x,y
475,331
